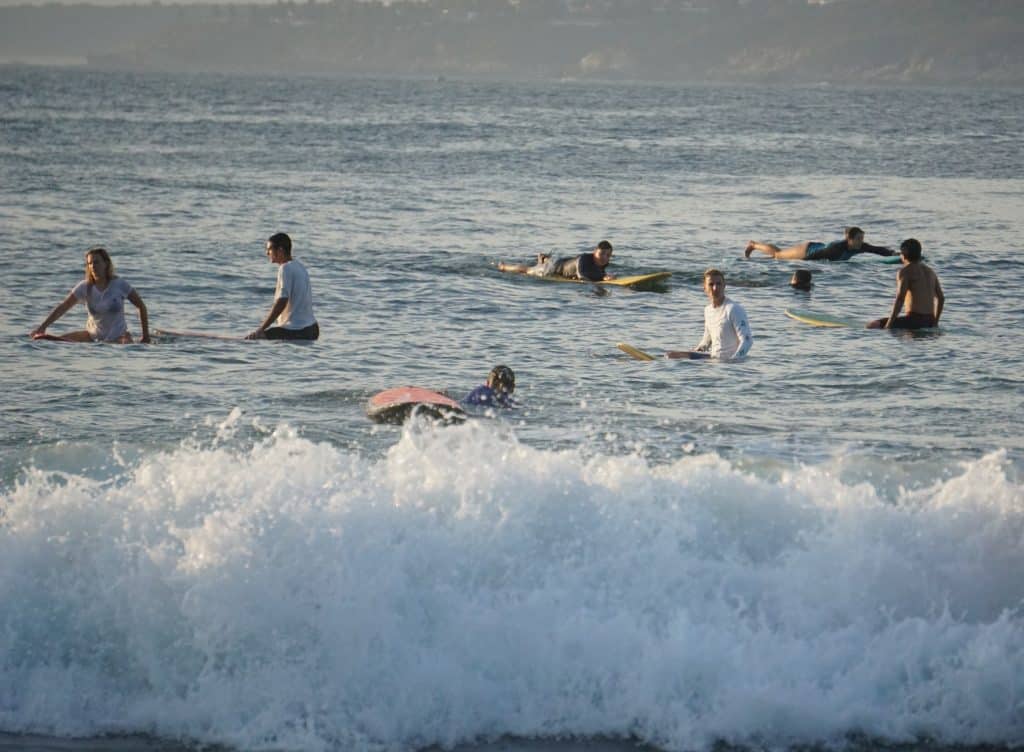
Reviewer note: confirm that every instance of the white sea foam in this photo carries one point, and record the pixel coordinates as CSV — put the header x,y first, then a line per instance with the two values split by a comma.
x,y
466,586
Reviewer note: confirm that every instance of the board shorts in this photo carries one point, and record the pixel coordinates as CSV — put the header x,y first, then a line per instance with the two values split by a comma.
x,y
545,268
813,249
279,332
911,321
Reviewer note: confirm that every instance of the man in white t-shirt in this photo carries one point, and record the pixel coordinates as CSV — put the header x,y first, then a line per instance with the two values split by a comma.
x,y
292,312
727,332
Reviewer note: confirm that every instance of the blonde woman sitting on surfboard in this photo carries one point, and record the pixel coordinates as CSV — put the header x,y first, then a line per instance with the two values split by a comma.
x,y
589,266
727,332
103,293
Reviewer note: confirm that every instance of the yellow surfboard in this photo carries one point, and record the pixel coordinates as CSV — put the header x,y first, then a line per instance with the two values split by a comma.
x,y
820,319
633,352
635,281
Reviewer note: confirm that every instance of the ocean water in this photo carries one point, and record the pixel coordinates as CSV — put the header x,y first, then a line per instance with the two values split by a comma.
x,y
207,542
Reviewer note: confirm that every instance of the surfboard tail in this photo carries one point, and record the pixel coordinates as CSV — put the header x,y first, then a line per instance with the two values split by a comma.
x,y
199,335
633,352
820,319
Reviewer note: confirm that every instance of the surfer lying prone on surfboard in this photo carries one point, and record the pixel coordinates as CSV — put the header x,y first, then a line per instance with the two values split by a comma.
x,y
103,293
727,332
839,250
589,266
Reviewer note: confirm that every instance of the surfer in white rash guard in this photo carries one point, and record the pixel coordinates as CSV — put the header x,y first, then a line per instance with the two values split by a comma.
x,y
293,299
727,332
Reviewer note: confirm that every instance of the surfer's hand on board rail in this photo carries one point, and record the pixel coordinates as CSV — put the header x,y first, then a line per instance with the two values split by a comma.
x,y
256,334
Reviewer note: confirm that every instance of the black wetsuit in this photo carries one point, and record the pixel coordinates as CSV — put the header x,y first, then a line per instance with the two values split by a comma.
x,y
840,251
580,267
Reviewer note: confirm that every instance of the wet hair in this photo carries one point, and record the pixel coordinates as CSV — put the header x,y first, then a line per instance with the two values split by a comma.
x,y
712,272
852,231
911,249
604,245
102,253
801,279
502,379
281,242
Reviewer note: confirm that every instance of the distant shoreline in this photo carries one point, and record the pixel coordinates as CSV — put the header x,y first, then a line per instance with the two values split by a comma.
x,y
859,42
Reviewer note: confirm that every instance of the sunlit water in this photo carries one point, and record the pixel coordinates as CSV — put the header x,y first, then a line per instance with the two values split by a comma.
x,y
208,541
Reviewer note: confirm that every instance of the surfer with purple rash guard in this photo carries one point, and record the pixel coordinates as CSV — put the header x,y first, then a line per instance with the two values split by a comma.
x,y
292,311
727,334
497,392
590,266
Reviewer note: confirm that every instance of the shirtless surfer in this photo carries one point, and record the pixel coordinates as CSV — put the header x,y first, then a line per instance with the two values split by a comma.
x,y
590,266
918,292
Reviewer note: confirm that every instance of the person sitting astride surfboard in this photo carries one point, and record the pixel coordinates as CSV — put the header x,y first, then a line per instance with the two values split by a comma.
x,y
839,250
497,392
103,293
587,266
727,332
293,299
918,286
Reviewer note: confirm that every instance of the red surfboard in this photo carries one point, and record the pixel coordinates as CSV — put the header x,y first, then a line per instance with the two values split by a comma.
x,y
400,403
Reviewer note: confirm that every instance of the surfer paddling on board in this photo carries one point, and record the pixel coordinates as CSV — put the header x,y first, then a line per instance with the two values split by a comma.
x,y
838,250
103,293
497,392
292,311
918,289
727,332
590,266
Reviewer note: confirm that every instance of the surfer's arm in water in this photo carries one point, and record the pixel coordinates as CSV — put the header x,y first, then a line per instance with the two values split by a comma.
x,y
276,310
63,307
136,300
698,353
901,295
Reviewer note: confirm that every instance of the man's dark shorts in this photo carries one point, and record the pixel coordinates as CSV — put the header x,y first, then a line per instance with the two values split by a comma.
x,y
279,332
911,321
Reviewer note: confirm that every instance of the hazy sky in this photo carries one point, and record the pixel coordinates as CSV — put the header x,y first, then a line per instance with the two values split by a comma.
x,y
11,3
